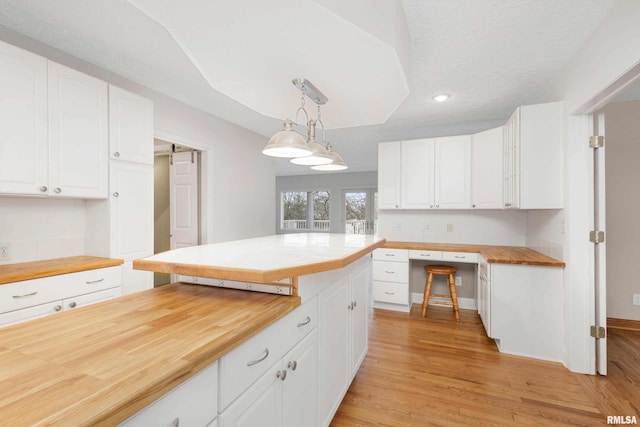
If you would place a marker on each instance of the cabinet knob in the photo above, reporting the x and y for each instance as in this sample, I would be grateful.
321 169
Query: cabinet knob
292 365
354 304
44 188
473 206
72 304
57 308
282 375
437 205
116 194
175 422
57 190
117 154
431 206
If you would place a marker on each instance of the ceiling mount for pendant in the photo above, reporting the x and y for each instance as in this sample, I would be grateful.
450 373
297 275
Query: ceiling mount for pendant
307 88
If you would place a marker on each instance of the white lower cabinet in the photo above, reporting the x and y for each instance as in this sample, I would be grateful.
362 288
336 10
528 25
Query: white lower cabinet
31 299
283 396
525 304
342 336
191 404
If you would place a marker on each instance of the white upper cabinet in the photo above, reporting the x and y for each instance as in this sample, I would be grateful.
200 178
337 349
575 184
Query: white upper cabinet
389 163
425 173
486 169
130 127
453 172
78 134
418 161
533 157
23 121
53 128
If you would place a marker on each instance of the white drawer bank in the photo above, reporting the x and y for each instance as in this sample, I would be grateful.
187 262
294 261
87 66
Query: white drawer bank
30 299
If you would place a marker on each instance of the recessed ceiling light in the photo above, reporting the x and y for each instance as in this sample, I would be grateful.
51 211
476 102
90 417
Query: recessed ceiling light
441 97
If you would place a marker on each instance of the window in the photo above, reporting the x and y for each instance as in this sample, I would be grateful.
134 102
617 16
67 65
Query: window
361 211
305 210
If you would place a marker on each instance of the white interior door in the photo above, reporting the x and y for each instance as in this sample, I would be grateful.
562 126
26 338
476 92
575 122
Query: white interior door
183 199
599 223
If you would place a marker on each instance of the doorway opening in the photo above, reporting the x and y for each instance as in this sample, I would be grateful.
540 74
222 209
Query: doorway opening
360 211
177 200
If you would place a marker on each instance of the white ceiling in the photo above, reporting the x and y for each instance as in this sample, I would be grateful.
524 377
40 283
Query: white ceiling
491 55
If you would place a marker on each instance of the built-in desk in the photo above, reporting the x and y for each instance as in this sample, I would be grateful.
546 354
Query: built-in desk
517 291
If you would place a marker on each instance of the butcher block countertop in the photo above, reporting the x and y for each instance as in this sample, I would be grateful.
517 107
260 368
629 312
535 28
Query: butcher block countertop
52 267
264 259
492 254
100 364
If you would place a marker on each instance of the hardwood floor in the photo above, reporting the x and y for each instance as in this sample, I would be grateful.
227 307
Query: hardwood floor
436 371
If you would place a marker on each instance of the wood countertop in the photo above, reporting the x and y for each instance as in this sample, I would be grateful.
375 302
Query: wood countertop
100 364
264 259
52 267
492 254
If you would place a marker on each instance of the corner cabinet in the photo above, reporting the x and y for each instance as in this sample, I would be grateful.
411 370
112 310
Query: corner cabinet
486 169
533 157
425 173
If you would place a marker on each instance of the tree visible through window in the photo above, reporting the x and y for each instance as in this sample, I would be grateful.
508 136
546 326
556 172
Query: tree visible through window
305 210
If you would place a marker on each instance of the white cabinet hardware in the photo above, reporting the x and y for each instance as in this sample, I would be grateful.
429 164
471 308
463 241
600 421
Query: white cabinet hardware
26 295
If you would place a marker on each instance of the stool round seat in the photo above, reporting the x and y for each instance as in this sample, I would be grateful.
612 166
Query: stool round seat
451 299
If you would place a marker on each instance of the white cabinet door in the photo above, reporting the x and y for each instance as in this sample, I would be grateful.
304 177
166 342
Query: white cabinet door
23 122
333 343
486 169
389 167
453 172
359 342
417 190
77 134
131 210
260 405
300 404
130 127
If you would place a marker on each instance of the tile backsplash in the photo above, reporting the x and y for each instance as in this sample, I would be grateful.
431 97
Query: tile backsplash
41 228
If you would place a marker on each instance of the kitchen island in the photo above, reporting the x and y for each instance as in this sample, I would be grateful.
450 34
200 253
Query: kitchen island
108 363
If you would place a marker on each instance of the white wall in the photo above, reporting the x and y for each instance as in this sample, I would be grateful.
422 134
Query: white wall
622 157
240 194
545 232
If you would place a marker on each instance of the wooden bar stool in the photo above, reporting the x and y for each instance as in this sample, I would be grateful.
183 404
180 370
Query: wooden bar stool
440 269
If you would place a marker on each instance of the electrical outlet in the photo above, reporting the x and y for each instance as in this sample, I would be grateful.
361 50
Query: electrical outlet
458 280
449 228
5 253
636 299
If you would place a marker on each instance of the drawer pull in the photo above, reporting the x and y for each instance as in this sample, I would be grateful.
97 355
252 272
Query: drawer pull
57 307
306 322
255 362
292 365
72 304
282 375
26 295
460 256
425 254
91 282
389 293
389 272
389 254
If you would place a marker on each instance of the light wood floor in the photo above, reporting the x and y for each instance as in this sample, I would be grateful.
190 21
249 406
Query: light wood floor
435 371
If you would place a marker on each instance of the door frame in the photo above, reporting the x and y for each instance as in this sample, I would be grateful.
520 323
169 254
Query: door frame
206 180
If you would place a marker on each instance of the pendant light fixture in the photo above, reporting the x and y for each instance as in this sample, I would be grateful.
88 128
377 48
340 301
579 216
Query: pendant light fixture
290 143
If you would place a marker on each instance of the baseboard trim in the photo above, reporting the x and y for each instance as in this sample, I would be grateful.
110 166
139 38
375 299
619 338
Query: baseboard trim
464 303
628 325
